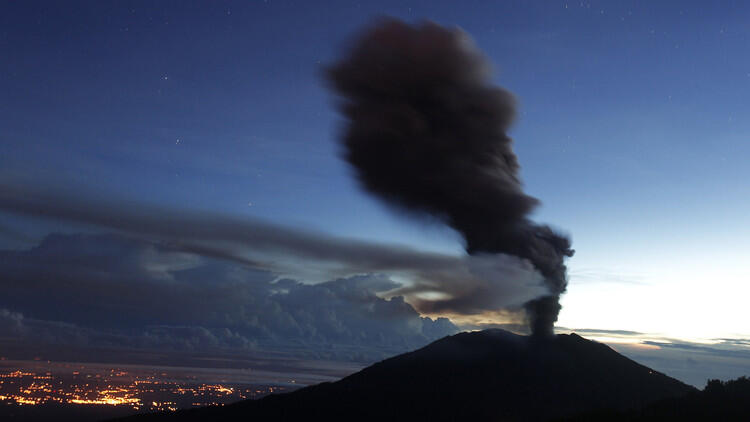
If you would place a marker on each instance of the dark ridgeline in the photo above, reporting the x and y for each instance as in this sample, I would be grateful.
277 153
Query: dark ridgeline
426 132
719 401
491 375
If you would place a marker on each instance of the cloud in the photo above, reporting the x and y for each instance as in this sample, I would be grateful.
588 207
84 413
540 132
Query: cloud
688 361
735 341
112 290
720 349
596 331
692 362
454 281
602 275
441 294
11 323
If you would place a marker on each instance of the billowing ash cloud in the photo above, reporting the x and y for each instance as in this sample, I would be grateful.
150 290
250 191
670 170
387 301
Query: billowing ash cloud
426 132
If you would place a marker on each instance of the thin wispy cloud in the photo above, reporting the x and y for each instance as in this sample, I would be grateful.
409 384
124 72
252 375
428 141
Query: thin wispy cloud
431 281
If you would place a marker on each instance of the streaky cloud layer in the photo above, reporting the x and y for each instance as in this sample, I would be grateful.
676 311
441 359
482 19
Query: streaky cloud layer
430 281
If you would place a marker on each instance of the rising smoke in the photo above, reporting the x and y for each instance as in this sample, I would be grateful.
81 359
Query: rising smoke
426 132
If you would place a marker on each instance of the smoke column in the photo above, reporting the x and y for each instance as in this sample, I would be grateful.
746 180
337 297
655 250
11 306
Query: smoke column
426 132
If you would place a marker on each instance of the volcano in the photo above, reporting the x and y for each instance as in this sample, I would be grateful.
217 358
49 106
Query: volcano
490 375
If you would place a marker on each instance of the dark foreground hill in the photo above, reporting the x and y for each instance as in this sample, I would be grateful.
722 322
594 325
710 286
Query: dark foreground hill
719 401
491 375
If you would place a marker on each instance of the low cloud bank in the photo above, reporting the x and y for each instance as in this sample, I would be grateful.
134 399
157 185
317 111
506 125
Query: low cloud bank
116 291
689 361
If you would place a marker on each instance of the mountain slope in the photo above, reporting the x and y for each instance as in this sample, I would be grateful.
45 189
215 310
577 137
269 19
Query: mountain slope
487 375
719 401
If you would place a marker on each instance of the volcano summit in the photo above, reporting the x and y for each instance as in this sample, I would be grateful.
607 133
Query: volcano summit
487 375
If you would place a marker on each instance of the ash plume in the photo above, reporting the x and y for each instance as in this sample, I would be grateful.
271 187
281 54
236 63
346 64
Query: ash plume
426 132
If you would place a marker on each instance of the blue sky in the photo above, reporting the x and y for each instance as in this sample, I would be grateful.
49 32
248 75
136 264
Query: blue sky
632 132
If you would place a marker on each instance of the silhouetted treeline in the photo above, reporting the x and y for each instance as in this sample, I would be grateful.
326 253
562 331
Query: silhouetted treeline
718 401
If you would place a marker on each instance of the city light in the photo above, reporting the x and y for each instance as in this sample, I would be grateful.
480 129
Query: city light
142 391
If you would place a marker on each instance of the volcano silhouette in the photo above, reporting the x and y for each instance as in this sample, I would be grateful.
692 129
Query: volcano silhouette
491 375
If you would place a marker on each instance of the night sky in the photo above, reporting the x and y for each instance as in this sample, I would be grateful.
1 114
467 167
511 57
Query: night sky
632 131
